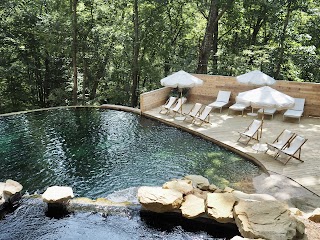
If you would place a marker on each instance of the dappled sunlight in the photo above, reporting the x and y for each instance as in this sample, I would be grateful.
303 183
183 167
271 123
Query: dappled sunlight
225 128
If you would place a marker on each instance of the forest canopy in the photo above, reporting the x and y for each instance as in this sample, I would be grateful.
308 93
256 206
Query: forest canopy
63 52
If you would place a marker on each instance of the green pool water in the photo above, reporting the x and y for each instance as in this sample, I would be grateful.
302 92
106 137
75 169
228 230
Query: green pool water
98 152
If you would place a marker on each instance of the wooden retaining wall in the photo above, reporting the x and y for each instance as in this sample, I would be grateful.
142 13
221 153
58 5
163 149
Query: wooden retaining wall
207 93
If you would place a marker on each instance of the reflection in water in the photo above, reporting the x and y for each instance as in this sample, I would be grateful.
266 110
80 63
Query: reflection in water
98 152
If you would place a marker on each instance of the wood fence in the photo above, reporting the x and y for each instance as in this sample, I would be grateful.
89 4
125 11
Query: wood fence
207 92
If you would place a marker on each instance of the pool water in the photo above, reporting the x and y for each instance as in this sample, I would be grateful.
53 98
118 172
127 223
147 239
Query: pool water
98 152
29 221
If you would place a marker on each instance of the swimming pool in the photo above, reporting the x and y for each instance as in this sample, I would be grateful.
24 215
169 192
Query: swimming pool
98 152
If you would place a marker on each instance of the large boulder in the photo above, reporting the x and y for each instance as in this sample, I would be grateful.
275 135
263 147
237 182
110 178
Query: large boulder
183 186
157 199
10 189
266 219
199 181
192 206
2 201
315 216
253 197
219 207
57 195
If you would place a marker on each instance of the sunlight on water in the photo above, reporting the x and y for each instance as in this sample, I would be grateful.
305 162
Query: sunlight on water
98 152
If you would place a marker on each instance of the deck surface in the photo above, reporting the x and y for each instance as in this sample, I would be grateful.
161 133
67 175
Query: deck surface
225 128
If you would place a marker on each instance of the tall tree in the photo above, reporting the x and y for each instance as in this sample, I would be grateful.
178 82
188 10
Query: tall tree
75 51
135 59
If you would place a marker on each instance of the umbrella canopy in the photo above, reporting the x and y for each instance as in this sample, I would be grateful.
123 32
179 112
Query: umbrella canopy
256 77
181 79
266 97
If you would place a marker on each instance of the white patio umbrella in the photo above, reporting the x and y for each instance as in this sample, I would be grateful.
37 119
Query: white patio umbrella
255 77
266 97
181 80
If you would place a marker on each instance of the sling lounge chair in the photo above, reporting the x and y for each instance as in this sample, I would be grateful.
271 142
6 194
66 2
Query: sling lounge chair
222 100
176 108
281 141
239 107
297 110
293 150
195 111
251 132
169 103
203 117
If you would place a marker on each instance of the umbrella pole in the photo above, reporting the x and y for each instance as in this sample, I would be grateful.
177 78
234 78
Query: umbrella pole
262 118
181 102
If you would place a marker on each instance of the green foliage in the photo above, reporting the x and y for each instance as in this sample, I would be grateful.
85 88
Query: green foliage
36 40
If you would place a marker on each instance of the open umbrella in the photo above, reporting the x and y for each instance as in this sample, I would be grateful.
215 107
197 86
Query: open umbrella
266 97
181 80
255 77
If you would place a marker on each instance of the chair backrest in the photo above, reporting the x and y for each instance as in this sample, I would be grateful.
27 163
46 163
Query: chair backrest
206 111
285 136
196 108
299 104
296 143
179 104
253 128
223 96
170 102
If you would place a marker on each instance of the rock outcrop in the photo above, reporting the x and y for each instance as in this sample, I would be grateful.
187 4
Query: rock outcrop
257 216
57 195
157 199
10 193
183 186
220 206
199 181
266 219
315 216
192 206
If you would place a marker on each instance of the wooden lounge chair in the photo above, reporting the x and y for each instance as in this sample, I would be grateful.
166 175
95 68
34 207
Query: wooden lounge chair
203 117
293 150
267 111
281 141
169 103
195 111
297 110
222 100
251 132
238 107
176 108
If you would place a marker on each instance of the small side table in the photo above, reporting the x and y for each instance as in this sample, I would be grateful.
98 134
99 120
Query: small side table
259 147
252 114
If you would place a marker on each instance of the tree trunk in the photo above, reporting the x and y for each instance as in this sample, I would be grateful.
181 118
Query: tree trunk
282 40
135 60
206 45
74 52
215 45
85 80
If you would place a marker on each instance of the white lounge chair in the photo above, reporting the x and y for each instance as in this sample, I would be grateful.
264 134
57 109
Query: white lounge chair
203 117
222 100
169 103
194 112
297 110
251 132
239 107
176 108
267 111
293 150
281 141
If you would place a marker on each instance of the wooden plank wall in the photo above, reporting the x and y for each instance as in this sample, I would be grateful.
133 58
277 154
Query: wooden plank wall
153 99
207 93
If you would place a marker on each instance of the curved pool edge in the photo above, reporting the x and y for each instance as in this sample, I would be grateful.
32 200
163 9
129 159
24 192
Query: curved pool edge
138 111
193 132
